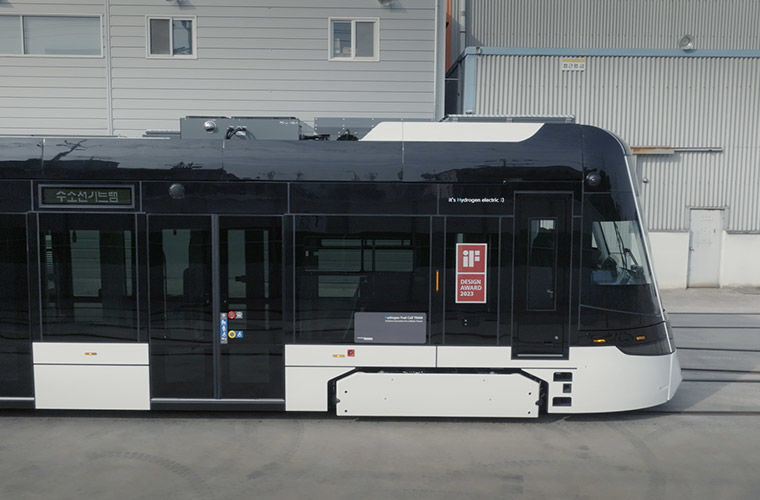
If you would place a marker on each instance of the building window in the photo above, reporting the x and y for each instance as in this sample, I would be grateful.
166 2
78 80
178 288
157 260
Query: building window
171 36
50 35
354 40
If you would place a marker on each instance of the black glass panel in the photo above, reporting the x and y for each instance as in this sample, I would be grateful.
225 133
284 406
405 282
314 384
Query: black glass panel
552 153
15 344
180 307
364 198
350 264
87 263
344 161
506 288
85 159
215 197
22 158
251 356
604 154
15 196
472 323
467 199
617 289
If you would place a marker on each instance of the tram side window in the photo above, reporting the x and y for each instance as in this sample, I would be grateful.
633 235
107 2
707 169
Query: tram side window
346 265
181 284
88 277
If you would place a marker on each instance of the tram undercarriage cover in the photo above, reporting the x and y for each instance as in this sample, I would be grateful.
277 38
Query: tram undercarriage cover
437 394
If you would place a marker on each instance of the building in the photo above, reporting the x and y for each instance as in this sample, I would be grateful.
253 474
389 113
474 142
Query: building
120 67
676 79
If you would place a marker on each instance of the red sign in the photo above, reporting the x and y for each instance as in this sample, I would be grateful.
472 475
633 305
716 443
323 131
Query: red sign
471 272
471 288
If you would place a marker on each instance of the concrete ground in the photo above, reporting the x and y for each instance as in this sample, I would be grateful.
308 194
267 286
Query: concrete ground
714 300
167 457
705 444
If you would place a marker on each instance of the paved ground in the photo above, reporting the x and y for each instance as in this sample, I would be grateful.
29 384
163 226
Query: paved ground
704 444
626 457
717 332
715 300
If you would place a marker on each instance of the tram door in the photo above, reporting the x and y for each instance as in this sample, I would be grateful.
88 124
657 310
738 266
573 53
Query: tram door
251 361
542 275
216 308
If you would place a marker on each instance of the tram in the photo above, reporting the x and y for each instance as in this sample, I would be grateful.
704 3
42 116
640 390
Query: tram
428 269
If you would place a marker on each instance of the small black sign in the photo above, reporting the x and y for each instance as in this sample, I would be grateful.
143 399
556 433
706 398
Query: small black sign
86 196
390 328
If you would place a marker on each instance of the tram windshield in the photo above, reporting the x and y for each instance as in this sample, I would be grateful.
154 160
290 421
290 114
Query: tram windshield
617 289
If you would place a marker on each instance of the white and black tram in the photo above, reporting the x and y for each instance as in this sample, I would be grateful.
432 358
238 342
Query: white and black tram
429 269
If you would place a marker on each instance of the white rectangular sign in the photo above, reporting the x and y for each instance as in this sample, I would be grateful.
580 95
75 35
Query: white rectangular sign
573 64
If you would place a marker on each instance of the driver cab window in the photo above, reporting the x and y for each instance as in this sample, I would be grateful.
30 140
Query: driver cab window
617 253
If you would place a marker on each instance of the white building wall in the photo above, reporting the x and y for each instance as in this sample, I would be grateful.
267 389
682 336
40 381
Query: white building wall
270 58
53 94
254 58
739 266
670 256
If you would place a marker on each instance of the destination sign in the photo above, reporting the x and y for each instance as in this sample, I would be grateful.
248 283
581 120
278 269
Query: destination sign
85 196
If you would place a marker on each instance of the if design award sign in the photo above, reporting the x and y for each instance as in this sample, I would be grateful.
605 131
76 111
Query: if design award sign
471 273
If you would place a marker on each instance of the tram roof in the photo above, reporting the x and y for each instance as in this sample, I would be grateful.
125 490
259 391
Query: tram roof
429 152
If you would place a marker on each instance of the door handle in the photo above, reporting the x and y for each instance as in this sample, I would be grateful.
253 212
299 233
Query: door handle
550 292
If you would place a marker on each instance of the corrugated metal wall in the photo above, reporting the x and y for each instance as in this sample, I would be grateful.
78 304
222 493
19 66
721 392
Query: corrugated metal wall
652 101
715 24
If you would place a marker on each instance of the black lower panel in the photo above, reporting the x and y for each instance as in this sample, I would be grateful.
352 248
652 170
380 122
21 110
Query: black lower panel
252 371
16 404
15 368
219 405
181 371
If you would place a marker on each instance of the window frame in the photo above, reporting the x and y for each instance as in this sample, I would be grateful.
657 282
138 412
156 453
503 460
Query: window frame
353 21
171 55
21 17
